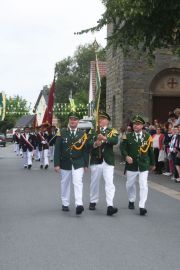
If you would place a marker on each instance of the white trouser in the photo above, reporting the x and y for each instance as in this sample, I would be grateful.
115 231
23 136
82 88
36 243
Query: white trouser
14 147
143 186
37 153
76 177
27 156
51 152
17 148
97 171
44 160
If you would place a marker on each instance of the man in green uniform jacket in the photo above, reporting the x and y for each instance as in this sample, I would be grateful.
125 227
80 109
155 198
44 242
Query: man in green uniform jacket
138 153
71 159
102 162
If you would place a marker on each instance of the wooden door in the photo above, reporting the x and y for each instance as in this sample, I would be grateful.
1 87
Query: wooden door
162 106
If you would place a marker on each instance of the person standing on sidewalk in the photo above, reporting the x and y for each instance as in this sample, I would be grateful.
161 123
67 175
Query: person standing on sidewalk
102 162
71 160
138 153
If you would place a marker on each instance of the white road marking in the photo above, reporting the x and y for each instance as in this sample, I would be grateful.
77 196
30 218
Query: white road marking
168 191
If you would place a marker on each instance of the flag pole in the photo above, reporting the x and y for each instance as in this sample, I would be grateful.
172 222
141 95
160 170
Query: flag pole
98 93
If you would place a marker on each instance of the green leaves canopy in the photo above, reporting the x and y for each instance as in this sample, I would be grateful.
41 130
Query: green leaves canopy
142 24
72 76
15 108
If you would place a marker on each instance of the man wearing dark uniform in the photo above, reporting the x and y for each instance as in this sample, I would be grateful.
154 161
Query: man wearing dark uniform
27 145
71 159
138 153
42 138
36 150
16 140
102 162
51 141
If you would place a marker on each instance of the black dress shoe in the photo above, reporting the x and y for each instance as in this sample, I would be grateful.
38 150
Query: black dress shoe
41 166
142 211
79 209
46 166
131 205
65 208
111 210
92 206
29 167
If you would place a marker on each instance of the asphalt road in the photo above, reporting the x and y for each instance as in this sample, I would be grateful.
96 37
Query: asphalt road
36 235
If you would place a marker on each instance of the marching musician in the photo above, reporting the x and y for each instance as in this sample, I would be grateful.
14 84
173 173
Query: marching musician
27 144
16 140
102 162
51 141
42 138
71 160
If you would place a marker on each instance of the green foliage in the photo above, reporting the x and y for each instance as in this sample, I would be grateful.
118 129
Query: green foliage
72 77
72 74
15 108
144 25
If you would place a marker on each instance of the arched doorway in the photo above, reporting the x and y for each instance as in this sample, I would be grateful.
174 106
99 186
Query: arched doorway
165 90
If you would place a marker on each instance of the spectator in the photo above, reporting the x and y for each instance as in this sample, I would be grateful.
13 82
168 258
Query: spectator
177 113
172 119
167 139
152 130
173 152
177 159
157 144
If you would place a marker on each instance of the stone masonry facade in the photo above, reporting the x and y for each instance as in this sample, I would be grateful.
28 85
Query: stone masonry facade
132 82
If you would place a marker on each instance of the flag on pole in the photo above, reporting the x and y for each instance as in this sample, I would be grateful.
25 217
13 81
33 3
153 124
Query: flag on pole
72 105
48 115
2 106
35 122
97 94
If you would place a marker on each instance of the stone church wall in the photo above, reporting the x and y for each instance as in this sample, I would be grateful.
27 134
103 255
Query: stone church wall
129 81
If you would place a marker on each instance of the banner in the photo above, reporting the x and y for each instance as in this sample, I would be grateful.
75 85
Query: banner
2 106
48 115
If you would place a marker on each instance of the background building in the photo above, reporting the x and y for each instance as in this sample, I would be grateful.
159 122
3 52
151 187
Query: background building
134 86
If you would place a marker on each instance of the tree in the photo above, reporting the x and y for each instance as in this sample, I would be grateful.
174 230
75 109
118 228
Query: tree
72 76
144 25
15 108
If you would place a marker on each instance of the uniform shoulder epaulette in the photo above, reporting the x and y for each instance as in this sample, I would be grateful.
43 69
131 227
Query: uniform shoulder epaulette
113 132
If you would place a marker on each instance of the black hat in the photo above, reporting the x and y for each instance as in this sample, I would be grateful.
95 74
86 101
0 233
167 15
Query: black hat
105 115
74 115
139 119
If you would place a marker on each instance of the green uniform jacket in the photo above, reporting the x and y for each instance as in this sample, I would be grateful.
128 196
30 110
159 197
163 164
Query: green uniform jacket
64 156
105 150
130 147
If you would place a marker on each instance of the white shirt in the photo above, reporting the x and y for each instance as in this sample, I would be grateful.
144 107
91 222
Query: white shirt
73 130
156 140
138 135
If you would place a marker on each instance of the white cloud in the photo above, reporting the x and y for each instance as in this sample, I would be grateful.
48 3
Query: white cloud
36 34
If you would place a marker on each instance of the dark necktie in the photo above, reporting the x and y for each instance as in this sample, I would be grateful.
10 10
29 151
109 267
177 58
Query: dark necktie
72 134
139 139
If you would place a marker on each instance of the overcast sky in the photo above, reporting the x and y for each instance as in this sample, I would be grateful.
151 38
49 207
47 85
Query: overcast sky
35 34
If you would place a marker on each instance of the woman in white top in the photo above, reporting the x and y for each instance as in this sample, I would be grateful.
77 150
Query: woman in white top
157 144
